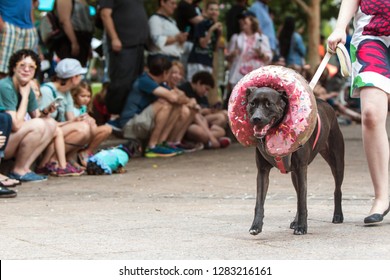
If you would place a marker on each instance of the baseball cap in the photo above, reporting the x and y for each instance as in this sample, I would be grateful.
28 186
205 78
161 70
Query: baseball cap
69 67
245 14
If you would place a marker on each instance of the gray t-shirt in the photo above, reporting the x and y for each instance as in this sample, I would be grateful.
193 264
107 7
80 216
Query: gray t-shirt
49 93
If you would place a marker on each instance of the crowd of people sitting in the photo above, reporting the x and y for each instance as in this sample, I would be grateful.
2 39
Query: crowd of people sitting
161 72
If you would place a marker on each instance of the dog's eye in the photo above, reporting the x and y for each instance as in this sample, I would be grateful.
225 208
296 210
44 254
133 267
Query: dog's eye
267 104
252 104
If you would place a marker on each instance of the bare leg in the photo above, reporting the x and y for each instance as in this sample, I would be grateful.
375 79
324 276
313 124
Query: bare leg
200 131
101 133
162 111
181 126
55 151
28 143
376 144
76 135
170 124
220 118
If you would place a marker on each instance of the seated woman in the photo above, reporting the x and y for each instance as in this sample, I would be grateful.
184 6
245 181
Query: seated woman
76 130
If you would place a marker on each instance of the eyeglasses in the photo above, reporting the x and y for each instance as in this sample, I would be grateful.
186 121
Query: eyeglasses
30 67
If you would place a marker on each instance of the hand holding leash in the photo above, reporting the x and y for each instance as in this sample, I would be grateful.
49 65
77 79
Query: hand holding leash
345 63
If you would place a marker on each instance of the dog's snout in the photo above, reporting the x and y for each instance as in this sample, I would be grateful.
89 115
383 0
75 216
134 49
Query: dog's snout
256 120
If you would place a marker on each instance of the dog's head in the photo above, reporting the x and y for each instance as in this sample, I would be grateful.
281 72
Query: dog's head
266 108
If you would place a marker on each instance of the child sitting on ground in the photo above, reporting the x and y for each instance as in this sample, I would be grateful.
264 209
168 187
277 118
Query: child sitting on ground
82 96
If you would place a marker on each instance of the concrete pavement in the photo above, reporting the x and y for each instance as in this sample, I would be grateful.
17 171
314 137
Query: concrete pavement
195 206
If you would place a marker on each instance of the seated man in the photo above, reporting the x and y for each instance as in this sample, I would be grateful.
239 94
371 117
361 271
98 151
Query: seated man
210 123
152 111
28 138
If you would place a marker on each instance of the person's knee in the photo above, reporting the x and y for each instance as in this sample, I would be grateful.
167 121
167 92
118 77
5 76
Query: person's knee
82 131
185 113
107 129
51 126
370 118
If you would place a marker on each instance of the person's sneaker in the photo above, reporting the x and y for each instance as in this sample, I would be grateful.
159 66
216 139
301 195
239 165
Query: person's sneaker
224 142
199 146
48 169
68 171
159 151
28 177
186 147
172 147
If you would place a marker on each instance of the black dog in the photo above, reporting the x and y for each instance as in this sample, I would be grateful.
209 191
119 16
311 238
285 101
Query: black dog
267 108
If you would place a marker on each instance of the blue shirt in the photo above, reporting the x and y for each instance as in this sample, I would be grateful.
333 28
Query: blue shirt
297 50
266 24
203 55
140 97
17 12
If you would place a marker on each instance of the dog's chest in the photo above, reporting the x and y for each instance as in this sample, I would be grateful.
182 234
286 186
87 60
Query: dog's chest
281 163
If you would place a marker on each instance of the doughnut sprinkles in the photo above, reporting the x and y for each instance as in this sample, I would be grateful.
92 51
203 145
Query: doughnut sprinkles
299 121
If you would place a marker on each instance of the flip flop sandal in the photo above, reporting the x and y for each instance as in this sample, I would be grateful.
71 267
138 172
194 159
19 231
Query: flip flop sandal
344 59
11 183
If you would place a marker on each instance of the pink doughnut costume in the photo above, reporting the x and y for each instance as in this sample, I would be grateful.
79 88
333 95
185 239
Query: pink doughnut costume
299 122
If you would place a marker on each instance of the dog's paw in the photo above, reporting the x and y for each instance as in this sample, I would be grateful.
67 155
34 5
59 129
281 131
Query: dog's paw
254 231
293 225
338 218
300 230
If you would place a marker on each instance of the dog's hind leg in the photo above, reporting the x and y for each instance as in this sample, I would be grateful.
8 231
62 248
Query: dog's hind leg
334 156
263 170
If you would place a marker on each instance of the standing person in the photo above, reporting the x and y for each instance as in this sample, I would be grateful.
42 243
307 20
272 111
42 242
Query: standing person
370 82
28 138
232 18
126 25
206 37
78 26
261 10
248 50
165 33
17 30
292 47
187 17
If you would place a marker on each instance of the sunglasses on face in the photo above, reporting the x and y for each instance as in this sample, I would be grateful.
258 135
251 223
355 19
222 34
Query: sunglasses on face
26 66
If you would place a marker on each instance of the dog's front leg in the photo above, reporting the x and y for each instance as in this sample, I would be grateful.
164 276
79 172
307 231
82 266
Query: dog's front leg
299 178
263 170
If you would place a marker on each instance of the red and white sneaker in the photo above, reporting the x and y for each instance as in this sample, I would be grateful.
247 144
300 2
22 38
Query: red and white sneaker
224 142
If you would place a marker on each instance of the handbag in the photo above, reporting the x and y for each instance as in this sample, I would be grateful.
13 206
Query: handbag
50 29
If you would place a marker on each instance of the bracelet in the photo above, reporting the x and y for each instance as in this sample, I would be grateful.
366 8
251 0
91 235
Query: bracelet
44 113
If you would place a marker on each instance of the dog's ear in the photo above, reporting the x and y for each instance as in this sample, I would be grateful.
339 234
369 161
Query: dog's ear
249 90
284 98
